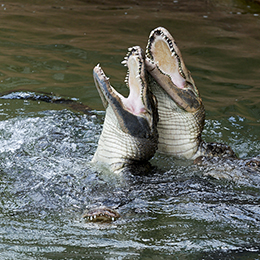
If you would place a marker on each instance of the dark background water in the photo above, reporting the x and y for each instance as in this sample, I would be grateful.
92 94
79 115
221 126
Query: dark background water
179 211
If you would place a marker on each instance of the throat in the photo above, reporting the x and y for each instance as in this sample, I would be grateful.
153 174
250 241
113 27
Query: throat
134 103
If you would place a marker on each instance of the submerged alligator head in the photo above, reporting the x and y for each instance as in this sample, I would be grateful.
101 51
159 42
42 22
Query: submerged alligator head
180 108
129 134
101 214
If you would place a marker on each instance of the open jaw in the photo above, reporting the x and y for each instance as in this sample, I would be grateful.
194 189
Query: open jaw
100 214
138 109
164 62
135 80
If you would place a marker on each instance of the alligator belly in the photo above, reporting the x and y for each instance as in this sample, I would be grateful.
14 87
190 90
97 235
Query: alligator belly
178 136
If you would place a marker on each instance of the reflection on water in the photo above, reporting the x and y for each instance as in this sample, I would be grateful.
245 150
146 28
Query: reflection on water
177 211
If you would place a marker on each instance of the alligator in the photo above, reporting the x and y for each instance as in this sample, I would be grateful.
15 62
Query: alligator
180 107
101 214
129 136
46 97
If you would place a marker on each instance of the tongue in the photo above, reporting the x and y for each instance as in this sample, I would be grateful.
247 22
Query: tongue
134 103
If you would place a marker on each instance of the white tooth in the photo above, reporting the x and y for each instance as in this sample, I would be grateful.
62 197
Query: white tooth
95 216
173 54
137 76
90 218
129 49
124 62
113 219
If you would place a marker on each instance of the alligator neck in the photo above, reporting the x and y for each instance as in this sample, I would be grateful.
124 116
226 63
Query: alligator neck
119 149
179 130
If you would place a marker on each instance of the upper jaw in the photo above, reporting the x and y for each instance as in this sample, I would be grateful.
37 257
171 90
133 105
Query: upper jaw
164 62
136 114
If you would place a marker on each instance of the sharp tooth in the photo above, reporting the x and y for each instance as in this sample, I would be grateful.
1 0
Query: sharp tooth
90 218
130 48
173 54
95 216
113 219
137 76
124 62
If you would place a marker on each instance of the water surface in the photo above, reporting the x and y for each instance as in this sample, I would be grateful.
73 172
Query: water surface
178 211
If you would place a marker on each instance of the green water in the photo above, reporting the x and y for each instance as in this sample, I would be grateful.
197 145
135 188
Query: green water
179 211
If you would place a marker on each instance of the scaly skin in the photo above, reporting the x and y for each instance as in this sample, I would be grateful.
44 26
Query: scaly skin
129 137
180 108
252 164
129 133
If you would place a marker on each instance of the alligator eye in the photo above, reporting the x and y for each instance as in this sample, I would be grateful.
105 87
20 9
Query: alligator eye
189 85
